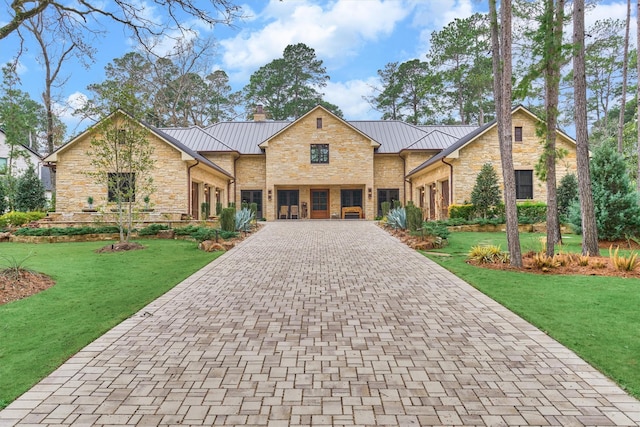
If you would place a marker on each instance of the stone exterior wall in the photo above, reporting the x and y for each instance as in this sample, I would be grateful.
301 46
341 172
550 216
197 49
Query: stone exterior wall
288 163
251 175
171 195
389 173
468 161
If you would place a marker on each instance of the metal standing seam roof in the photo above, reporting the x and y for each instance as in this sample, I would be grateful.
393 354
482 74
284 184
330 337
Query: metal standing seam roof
244 137
180 146
197 139
393 136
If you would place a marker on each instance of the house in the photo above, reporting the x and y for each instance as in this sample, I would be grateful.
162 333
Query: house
318 166
20 159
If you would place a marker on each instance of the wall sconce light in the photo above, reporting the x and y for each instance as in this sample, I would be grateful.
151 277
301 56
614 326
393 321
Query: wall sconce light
370 192
269 194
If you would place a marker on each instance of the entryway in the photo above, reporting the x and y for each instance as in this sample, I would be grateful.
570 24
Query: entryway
319 204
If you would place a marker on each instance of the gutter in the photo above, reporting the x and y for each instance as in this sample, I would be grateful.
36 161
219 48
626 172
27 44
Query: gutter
189 186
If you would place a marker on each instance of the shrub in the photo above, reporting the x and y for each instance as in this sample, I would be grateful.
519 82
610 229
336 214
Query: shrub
186 231
543 261
15 219
488 254
254 209
614 198
397 218
3 196
386 207
218 208
486 192
66 231
243 219
436 229
621 262
567 194
29 192
532 212
465 212
414 216
152 229
397 204
228 219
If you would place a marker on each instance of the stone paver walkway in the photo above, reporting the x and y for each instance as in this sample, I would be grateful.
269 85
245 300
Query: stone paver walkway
324 323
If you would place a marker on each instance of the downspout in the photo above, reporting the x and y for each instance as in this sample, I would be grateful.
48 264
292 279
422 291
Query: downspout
189 212
450 180
404 176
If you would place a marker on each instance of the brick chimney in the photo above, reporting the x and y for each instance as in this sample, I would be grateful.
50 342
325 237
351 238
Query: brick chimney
259 115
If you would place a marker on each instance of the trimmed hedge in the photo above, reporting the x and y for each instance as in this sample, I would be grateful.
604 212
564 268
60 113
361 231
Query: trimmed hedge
17 219
65 231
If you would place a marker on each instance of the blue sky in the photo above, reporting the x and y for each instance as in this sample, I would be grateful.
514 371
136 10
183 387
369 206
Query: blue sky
354 38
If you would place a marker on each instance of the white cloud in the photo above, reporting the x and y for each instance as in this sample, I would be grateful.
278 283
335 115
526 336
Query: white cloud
335 32
349 96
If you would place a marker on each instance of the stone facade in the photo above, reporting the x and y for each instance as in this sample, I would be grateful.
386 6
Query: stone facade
173 178
279 174
289 167
468 161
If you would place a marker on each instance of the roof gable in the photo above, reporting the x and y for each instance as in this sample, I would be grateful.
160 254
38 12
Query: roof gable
469 138
314 110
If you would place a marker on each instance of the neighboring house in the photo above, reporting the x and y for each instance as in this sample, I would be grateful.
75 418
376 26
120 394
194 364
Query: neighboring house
20 162
318 166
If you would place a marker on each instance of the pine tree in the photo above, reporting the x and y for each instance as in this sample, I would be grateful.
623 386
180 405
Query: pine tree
30 192
614 197
486 192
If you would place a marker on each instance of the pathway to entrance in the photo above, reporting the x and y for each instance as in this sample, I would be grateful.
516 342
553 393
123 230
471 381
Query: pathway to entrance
324 323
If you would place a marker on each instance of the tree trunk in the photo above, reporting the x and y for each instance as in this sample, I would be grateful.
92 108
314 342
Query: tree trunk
501 52
625 67
589 228
555 18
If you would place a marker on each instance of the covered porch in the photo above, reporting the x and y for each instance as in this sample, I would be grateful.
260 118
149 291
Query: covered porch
321 202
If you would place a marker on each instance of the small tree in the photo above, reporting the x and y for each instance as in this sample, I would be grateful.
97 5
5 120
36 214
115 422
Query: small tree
567 194
614 198
121 157
30 191
486 192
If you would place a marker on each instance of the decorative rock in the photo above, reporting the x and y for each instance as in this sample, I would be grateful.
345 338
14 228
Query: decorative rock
4 237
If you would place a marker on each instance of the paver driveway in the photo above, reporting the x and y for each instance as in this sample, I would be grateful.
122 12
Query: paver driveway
324 323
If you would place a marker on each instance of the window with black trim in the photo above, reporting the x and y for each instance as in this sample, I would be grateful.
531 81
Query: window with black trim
517 134
122 187
319 123
524 184
319 153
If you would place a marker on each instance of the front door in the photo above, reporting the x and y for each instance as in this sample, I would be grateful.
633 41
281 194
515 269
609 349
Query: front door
319 204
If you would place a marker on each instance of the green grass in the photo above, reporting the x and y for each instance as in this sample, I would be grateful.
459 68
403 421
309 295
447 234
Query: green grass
93 293
596 317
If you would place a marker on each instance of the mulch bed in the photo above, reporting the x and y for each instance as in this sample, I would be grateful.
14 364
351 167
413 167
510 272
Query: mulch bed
26 283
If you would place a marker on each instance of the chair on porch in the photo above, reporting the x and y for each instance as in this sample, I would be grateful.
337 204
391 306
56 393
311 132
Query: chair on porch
284 211
294 212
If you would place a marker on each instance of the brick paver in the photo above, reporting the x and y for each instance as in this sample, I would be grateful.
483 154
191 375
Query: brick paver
324 323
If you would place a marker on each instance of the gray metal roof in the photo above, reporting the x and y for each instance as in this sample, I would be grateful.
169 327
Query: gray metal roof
434 140
458 131
180 146
244 137
393 136
197 139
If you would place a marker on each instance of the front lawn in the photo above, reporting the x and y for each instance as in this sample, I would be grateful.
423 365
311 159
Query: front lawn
93 293
596 317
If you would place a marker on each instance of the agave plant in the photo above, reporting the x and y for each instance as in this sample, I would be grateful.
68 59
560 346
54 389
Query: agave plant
397 218
243 219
